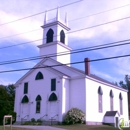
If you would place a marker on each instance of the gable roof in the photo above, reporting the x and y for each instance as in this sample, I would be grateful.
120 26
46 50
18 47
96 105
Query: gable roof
64 70
101 79
57 69
111 113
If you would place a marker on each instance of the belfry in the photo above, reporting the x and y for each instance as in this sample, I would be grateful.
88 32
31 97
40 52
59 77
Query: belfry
55 39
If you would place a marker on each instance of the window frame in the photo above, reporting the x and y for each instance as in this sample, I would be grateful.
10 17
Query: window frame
62 36
25 99
53 97
100 100
111 100
111 104
53 84
38 106
39 76
100 103
121 103
25 88
49 36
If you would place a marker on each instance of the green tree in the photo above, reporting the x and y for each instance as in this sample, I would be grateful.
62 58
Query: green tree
127 80
125 85
7 96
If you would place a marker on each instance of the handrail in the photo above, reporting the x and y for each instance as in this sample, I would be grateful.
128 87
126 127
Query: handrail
25 116
43 116
22 119
53 117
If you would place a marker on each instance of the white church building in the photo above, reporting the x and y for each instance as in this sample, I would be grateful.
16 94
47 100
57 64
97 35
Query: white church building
50 89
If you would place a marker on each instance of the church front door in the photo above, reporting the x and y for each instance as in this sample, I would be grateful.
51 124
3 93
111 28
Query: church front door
53 110
24 112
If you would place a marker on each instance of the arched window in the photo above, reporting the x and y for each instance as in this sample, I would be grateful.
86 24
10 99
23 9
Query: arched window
62 36
120 102
38 98
100 93
25 99
53 97
39 76
111 100
49 36
38 104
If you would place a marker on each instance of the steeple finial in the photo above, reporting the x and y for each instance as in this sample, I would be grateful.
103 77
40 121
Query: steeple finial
66 19
57 14
45 17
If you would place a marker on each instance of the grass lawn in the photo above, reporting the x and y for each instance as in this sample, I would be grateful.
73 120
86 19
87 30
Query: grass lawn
74 127
85 127
8 128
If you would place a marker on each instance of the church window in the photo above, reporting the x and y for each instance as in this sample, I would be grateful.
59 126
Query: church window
39 76
53 84
53 97
62 36
111 100
25 88
121 105
38 104
25 99
49 36
100 93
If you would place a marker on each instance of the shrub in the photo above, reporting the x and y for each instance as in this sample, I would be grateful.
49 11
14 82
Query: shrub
39 120
74 115
27 123
33 120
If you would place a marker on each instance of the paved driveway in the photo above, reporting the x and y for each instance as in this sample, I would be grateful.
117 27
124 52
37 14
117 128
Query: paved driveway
38 127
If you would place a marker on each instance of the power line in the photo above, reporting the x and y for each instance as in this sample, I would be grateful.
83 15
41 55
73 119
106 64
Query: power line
100 12
100 24
108 58
70 32
20 33
19 44
92 48
69 21
39 13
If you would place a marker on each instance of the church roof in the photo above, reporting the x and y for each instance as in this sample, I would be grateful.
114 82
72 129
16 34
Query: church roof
111 113
101 79
64 70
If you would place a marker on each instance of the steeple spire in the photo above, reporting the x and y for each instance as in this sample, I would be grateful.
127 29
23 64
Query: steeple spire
66 19
45 17
57 14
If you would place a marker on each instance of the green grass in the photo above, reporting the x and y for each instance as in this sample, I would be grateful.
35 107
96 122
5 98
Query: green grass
74 127
85 127
8 128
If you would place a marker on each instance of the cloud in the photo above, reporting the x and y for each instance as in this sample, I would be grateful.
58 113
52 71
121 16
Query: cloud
78 39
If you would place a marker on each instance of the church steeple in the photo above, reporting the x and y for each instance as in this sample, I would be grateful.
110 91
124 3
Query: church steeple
55 39
45 17
57 14
56 26
66 19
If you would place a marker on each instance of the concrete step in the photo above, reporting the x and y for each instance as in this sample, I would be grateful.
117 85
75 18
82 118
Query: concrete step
17 123
50 122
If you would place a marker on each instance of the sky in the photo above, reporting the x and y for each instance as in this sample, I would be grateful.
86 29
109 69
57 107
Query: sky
83 16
